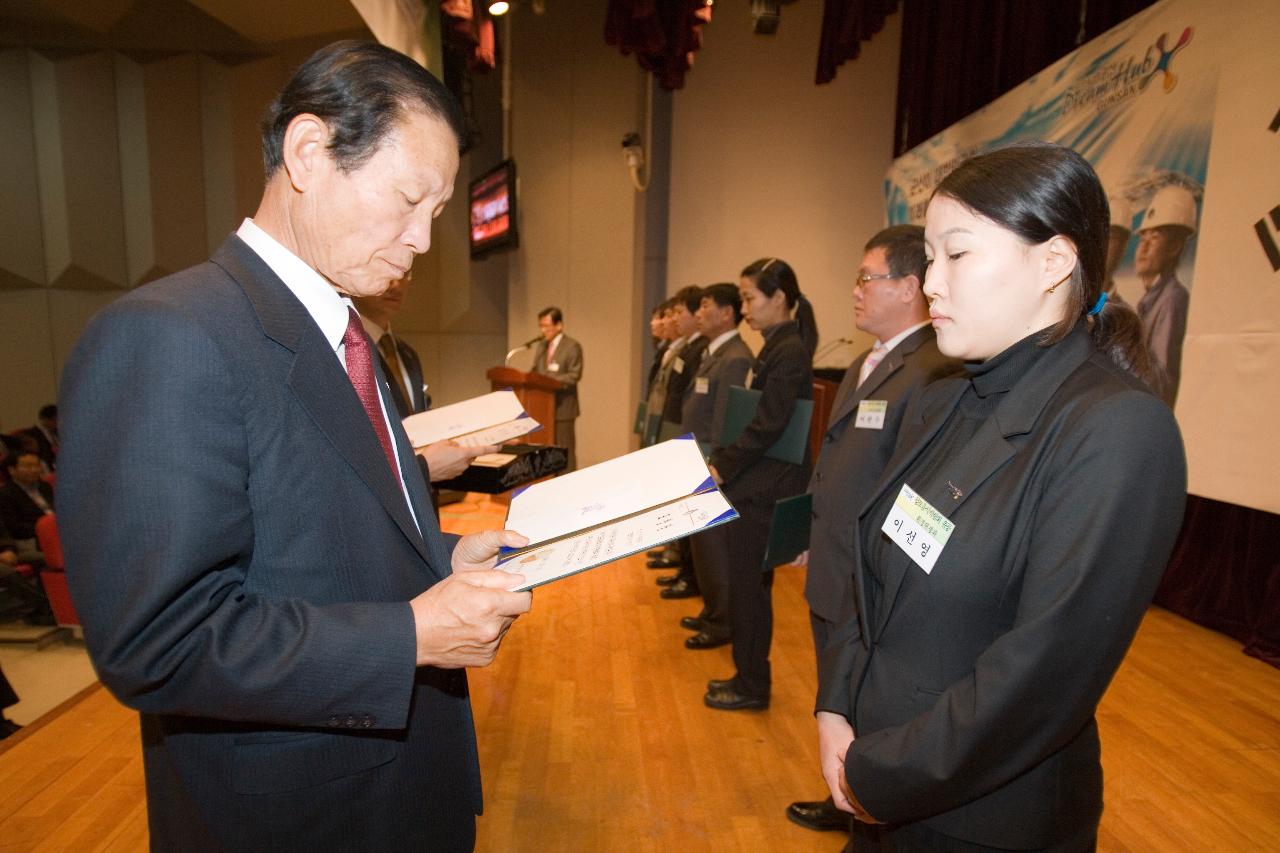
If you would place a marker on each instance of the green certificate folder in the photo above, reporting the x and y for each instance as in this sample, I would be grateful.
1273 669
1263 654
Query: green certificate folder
638 426
789 530
741 408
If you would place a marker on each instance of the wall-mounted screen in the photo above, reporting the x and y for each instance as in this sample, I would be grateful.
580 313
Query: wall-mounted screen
493 210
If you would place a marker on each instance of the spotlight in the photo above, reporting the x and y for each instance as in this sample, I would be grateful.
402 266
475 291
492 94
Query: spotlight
499 7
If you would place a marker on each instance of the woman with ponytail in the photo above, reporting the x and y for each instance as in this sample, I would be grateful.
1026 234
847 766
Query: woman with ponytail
783 374
1004 561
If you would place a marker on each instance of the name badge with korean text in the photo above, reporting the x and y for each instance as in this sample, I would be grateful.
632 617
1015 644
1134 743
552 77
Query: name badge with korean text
871 414
702 385
554 366
917 528
678 365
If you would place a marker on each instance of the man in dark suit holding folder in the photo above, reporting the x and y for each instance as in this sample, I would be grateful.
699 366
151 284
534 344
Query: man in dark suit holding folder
249 542
866 414
725 364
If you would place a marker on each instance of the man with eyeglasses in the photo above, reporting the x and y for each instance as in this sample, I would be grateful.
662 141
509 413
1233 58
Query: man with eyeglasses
888 303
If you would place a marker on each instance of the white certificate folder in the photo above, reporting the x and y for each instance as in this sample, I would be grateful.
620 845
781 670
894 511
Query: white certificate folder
487 419
613 510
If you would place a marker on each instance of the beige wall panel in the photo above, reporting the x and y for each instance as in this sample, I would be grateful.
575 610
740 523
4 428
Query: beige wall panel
21 241
88 123
254 84
175 138
575 98
218 161
135 169
765 163
454 364
69 312
26 351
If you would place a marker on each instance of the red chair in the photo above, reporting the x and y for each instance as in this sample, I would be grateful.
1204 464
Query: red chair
54 575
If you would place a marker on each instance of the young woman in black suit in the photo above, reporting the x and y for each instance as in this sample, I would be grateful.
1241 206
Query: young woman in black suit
783 374
1006 558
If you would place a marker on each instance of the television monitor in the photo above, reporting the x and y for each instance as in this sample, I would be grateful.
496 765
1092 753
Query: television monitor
493 210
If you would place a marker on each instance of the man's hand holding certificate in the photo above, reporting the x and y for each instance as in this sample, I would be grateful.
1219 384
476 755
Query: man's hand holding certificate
612 510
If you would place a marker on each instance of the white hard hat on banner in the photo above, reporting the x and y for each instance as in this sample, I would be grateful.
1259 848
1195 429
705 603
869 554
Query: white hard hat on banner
1121 212
1171 205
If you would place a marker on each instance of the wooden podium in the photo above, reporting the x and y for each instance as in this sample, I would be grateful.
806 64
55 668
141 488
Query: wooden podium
537 393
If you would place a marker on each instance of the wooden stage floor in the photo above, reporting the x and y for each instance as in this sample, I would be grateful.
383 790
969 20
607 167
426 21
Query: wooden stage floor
593 737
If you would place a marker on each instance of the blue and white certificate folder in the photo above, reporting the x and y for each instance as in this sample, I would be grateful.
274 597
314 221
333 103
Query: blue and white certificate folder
613 510
488 419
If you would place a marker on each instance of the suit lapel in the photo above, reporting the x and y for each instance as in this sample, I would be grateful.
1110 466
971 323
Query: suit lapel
318 381
984 454
915 436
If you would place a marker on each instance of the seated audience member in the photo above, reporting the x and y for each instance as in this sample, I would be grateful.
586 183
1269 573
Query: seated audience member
26 498
45 436
31 602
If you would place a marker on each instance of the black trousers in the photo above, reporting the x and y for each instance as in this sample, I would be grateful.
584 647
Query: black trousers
711 565
918 838
750 599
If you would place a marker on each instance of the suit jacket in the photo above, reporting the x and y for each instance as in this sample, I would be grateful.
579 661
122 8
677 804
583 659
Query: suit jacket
1163 310
680 382
852 459
241 556
703 411
783 373
408 356
19 512
567 363
972 689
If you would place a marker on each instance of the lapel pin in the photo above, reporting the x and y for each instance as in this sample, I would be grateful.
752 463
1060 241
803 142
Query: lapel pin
956 494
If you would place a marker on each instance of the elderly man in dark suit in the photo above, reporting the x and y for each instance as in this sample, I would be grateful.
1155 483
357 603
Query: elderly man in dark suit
726 363
866 414
249 543
560 357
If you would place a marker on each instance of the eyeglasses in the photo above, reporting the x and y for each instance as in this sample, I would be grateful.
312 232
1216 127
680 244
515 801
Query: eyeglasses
861 281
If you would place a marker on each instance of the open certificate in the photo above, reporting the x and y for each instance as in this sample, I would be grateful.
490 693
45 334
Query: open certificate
487 419
612 510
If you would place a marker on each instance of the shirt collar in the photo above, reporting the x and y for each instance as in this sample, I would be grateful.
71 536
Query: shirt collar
327 307
903 335
721 340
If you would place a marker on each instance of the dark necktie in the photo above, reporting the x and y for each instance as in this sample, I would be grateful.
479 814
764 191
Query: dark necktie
360 370
387 346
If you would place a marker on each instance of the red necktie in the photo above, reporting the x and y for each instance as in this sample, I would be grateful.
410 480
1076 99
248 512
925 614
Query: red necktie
360 370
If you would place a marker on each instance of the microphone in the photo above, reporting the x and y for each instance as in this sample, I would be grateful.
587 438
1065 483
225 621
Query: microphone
831 347
524 345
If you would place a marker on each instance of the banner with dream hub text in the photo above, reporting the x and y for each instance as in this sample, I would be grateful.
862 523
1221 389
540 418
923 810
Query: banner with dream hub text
1178 110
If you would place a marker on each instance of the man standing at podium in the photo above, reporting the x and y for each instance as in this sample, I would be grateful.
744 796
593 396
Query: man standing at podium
560 357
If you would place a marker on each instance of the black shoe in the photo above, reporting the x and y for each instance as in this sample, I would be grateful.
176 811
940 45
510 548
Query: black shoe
655 553
703 640
692 623
729 699
680 589
8 727
666 580
821 816
719 684
663 563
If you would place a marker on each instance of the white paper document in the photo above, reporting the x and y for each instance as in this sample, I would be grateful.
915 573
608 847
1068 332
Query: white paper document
612 510
487 419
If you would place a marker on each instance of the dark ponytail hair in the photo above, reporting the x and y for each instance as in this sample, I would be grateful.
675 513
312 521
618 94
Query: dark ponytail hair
773 274
1039 190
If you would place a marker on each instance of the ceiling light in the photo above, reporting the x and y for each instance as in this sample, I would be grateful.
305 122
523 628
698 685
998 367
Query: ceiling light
499 7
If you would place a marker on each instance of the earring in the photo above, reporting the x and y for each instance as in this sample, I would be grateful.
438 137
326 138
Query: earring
1059 284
